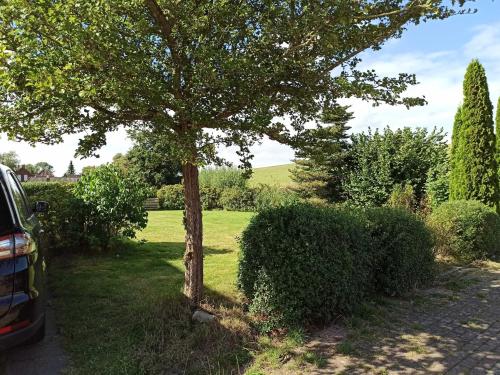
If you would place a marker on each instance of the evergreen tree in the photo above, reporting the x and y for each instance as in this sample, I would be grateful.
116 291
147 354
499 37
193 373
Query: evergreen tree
457 171
476 143
497 121
71 170
322 164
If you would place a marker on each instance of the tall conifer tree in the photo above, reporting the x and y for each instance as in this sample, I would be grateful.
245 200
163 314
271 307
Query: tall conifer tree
476 145
497 121
321 164
456 163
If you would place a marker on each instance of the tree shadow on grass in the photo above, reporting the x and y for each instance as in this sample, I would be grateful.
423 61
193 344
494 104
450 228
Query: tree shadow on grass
167 250
141 322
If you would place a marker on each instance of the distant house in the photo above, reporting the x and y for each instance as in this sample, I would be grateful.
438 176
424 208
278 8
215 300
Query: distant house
23 174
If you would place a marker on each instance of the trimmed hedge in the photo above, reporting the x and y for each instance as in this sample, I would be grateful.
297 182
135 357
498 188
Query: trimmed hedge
64 222
238 199
466 230
401 249
171 197
302 264
267 196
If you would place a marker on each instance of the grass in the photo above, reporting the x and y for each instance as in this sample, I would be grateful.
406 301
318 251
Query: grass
124 312
277 175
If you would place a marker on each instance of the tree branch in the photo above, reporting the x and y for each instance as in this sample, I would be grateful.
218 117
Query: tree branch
166 25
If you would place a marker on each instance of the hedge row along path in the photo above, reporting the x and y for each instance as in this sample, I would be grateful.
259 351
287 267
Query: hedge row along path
452 328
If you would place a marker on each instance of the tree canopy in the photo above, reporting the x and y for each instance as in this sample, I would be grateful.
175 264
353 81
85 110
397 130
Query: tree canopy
183 66
10 159
152 158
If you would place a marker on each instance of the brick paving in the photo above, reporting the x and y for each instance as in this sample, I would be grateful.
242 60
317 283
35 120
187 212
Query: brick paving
452 328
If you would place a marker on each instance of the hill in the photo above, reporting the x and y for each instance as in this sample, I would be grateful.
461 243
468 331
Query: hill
274 175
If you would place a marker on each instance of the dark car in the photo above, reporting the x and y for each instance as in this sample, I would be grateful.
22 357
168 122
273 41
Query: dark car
22 265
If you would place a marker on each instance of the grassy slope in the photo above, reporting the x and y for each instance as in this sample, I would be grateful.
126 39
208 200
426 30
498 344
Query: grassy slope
123 312
274 175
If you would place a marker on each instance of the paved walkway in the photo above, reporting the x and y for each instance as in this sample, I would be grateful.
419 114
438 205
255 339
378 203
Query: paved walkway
453 328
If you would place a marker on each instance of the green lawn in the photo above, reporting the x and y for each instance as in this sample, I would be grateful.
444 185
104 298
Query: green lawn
123 313
278 175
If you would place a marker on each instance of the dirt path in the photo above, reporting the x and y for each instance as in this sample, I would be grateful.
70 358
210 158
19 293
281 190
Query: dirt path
44 358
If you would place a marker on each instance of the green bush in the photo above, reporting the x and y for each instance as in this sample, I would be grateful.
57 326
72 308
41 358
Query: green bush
401 249
402 197
171 197
466 230
114 202
210 197
267 196
438 183
238 199
235 198
64 222
302 264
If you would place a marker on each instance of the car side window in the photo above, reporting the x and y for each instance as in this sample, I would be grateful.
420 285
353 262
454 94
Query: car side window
19 199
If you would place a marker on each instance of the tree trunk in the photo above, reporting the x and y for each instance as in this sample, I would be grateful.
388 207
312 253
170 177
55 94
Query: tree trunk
193 257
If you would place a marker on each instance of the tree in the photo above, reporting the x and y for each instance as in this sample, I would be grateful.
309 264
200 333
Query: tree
200 73
121 162
384 161
457 170
43 166
71 170
476 148
152 158
40 167
10 159
497 123
322 164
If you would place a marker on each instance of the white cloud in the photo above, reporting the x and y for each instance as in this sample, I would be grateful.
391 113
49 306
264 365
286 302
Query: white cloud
486 42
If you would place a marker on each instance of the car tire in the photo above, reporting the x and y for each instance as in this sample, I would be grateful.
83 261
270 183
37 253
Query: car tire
39 334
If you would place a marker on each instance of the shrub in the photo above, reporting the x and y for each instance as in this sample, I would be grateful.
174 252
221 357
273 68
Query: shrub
267 196
238 199
171 197
222 178
303 264
401 250
114 202
210 197
438 183
466 230
402 197
64 222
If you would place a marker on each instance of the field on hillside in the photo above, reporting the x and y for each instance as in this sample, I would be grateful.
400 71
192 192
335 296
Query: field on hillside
278 175
124 313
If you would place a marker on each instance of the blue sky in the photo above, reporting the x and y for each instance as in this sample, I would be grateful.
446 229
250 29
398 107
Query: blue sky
437 52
